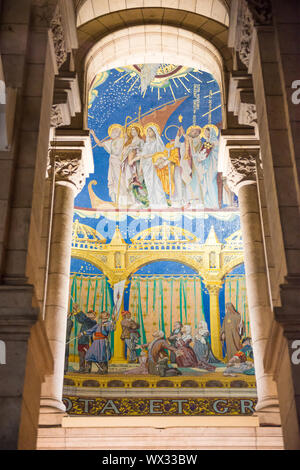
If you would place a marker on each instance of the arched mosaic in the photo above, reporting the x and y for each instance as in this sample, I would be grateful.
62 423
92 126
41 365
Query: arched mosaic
157 294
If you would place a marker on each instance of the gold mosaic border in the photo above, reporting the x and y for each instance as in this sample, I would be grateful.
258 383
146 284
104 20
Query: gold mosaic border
152 381
79 406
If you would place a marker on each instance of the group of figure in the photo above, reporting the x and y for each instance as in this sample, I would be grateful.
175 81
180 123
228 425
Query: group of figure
138 158
154 357
157 356
162 356
96 351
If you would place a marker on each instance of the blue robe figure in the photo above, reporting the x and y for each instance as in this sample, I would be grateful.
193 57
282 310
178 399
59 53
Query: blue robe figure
100 352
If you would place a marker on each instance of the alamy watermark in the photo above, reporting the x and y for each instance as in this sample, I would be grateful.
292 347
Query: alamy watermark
296 354
2 352
296 93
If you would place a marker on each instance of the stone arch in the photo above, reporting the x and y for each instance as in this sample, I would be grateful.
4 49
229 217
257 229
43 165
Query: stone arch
192 17
216 10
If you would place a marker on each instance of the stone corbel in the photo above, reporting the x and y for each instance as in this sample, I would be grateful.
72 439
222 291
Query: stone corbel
66 99
241 101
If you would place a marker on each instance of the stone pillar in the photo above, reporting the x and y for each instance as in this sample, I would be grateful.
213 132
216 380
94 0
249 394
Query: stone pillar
119 344
69 180
241 178
263 35
215 323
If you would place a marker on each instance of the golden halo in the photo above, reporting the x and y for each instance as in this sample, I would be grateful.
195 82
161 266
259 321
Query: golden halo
136 124
172 125
212 126
115 126
152 124
195 127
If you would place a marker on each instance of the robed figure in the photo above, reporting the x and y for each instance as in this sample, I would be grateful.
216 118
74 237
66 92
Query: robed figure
232 330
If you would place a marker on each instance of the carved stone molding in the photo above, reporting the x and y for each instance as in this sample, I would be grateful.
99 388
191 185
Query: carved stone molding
43 12
261 11
46 14
58 38
246 33
56 119
251 115
251 13
241 169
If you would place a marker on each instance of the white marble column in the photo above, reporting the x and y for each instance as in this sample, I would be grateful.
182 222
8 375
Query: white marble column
69 180
241 178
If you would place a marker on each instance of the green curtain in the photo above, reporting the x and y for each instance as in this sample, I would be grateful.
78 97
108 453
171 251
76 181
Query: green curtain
160 301
195 311
110 301
171 306
161 319
140 315
95 295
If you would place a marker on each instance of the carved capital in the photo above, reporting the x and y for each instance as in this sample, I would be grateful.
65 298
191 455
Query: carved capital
69 168
214 289
241 169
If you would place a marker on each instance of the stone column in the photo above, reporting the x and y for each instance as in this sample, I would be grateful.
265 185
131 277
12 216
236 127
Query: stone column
241 178
263 35
119 344
215 323
69 180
